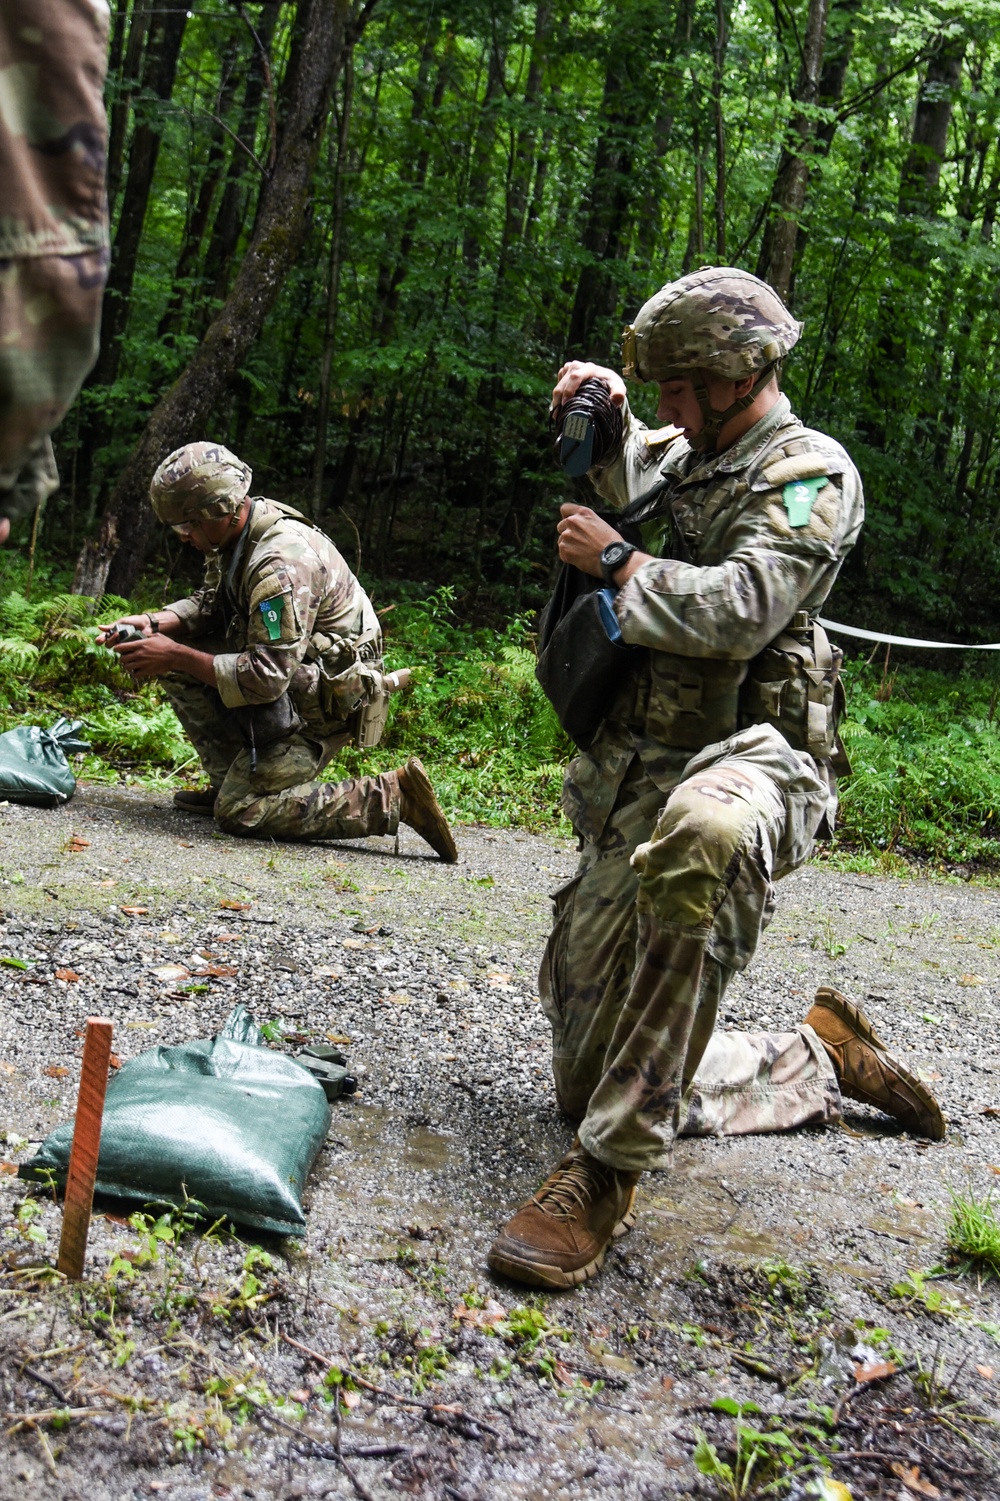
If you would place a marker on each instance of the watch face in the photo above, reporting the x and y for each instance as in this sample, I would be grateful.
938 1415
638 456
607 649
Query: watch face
614 553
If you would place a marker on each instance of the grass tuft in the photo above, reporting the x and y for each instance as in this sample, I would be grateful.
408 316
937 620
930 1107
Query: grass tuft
974 1233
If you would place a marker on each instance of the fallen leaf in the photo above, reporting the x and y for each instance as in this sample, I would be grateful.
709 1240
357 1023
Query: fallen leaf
913 1480
481 1318
667 1383
399 999
562 1373
338 1037
301 1394
326 972
986 1110
231 938
171 972
76 842
217 971
231 906
134 911
69 975
354 943
185 844
928 1075
7 1068
875 1370
55 1071
118 1219
968 980
991 1169
351 1399
105 883
986 1371
114 1061
446 1407
12 963
10 1168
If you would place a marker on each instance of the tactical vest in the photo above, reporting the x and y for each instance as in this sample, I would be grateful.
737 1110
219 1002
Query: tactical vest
794 684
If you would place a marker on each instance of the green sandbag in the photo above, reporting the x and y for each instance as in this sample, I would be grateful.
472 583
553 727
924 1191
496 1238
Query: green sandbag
33 765
222 1125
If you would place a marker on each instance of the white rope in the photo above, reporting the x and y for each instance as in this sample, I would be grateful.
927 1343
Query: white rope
853 630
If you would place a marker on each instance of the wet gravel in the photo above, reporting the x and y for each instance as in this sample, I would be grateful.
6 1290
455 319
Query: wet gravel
430 973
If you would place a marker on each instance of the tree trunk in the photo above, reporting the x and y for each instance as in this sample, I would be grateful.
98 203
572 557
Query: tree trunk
129 80
788 196
332 287
186 410
162 52
232 214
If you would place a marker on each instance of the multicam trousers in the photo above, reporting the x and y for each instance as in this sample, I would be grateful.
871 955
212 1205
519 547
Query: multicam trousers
279 797
666 905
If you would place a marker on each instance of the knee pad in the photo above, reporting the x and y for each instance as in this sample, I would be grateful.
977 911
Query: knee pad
697 848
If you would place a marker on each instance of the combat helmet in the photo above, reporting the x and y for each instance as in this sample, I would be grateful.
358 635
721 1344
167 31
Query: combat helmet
199 482
719 320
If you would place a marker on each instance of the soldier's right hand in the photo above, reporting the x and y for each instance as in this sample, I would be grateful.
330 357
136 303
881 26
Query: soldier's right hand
141 623
572 376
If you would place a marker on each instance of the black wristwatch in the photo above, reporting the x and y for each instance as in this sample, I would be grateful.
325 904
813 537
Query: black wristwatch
613 557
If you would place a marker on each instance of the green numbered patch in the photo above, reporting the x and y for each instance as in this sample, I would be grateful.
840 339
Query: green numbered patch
799 496
271 610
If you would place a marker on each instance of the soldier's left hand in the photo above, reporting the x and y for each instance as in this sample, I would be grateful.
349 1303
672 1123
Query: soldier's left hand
583 536
149 658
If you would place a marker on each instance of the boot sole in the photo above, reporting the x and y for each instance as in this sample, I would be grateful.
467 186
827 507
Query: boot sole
853 1017
536 1274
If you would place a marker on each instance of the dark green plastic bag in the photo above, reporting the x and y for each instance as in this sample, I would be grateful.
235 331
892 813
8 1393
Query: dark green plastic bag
221 1121
33 765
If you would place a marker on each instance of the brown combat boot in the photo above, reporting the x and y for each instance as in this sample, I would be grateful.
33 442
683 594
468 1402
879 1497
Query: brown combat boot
865 1068
196 800
421 810
559 1238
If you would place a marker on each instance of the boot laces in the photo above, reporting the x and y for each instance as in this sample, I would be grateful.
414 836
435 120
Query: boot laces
572 1187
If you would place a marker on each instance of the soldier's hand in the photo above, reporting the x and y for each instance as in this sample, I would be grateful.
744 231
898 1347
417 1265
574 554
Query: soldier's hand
4 530
572 376
583 536
141 623
150 658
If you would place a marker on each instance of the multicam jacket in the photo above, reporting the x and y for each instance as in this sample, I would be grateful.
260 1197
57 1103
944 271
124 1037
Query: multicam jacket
53 228
289 608
746 539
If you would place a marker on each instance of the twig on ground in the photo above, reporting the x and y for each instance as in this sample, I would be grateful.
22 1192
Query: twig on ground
57 1391
380 1391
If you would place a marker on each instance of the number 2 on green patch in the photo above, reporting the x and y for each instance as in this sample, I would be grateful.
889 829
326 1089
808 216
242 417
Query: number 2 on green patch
799 496
271 611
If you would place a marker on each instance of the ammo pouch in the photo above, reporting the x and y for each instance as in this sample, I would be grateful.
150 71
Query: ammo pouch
693 701
794 685
351 690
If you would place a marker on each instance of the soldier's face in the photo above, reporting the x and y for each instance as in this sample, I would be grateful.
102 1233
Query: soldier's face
207 535
678 406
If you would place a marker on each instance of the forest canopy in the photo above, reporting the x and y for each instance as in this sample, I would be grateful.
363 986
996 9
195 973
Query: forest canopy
356 243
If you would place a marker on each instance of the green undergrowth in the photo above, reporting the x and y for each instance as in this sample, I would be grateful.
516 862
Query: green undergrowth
924 745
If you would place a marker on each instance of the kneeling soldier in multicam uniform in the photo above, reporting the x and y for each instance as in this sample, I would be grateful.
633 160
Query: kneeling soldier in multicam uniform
285 669
708 779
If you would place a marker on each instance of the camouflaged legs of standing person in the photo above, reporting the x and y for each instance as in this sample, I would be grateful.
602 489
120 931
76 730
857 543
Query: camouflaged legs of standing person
665 907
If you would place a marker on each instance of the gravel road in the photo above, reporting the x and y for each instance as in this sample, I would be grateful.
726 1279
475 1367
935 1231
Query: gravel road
762 1269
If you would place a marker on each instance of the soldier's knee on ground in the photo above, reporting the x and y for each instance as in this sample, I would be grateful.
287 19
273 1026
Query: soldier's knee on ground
696 850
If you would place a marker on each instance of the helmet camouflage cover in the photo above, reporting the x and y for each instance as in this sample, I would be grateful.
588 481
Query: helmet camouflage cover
719 319
200 481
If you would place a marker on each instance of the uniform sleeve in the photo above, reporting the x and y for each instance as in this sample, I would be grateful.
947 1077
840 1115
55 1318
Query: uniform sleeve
634 466
282 610
197 613
772 569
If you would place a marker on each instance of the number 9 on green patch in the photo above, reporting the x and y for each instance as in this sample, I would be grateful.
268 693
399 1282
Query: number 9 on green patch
271 611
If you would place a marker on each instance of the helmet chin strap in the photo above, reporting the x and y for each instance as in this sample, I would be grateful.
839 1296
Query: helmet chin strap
706 440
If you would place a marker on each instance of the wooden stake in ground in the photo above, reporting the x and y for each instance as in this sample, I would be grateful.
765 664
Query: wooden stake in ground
86 1146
